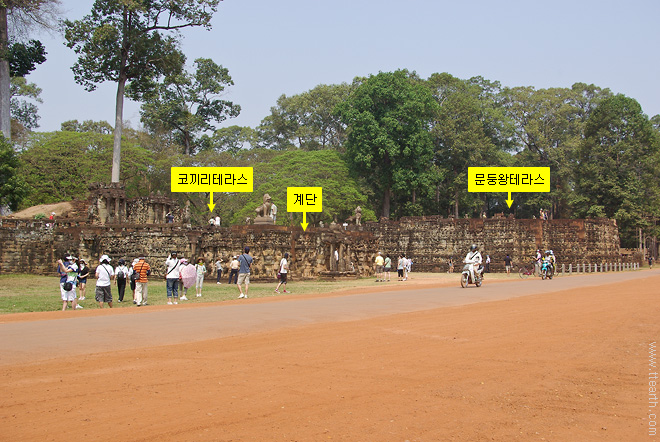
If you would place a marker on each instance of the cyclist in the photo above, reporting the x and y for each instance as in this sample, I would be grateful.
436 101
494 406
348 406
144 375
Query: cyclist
538 262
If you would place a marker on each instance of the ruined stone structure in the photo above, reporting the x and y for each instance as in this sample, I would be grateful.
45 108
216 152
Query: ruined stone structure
108 205
128 228
28 246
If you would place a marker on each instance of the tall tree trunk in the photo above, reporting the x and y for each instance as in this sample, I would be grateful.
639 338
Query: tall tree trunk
386 201
119 122
456 204
5 99
186 142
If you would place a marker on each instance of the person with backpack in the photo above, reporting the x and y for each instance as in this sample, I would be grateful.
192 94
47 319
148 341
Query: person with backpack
68 271
104 276
245 261
121 275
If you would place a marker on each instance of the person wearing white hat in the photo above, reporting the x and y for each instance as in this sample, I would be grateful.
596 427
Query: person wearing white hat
104 276
68 271
131 280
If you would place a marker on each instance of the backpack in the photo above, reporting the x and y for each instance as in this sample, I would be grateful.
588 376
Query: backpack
120 274
135 276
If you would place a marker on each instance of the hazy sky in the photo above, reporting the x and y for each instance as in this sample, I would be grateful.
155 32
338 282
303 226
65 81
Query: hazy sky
290 46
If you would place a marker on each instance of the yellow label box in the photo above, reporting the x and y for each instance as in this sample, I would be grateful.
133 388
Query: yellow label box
304 199
508 179
211 179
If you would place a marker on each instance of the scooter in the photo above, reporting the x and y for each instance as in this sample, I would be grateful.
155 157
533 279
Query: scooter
466 277
546 270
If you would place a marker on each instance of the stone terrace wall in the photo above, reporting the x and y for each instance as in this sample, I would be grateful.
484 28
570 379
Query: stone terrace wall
432 240
31 247
28 246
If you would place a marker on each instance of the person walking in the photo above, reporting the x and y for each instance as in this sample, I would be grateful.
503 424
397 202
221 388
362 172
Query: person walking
121 275
172 278
507 264
143 269
245 261
233 270
104 277
218 269
83 274
399 267
187 277
406 266
387 267
487 269
131 280
284 271
379 267
201 271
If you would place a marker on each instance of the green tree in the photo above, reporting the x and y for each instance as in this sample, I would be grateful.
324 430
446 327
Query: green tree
20 58
469 130
24 57
190 104
297 168
548 127
24 111
388 117
618 167
99 127
306 120
59 166
123 42
12 185
233 139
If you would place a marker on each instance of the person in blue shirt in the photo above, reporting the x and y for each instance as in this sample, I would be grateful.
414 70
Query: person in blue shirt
245 261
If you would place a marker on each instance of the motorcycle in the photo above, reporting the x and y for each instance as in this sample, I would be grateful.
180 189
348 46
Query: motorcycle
546 270
466 277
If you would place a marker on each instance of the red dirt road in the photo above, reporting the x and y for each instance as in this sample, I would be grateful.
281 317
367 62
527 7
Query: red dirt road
567 365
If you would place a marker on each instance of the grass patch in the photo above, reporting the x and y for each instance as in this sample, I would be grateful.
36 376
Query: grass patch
29 293
21 293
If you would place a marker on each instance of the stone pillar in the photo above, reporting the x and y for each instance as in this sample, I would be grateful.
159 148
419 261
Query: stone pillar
333 261
342 261
117 213
102 208
570 269
108 208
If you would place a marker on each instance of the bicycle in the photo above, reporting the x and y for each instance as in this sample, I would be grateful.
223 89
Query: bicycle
526 271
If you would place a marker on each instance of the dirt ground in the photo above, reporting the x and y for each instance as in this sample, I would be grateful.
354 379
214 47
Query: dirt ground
60 209
569 365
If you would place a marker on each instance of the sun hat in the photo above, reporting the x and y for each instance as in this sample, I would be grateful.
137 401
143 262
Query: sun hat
105 258
68 257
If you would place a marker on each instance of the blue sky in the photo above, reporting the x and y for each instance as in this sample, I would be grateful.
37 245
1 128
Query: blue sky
290 46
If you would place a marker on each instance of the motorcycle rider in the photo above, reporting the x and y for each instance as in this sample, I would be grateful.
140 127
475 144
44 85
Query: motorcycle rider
547 262
474 258
553 260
